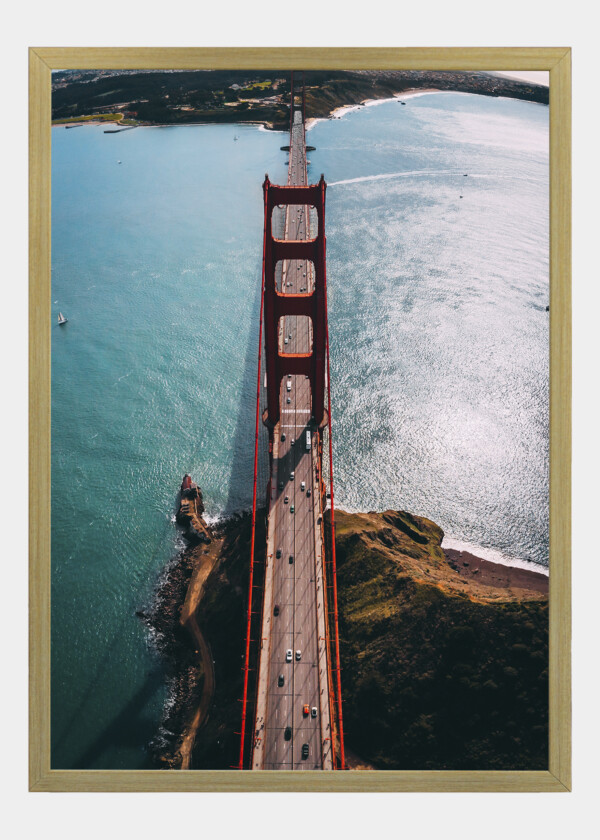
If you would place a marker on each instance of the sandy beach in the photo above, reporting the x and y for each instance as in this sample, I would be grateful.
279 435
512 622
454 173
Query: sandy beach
496 574
337 113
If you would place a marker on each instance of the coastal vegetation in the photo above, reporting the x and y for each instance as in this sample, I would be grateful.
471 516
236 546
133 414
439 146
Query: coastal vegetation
232 96
220 616
439 670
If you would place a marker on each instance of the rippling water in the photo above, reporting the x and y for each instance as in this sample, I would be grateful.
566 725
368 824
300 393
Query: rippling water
438 286
439 343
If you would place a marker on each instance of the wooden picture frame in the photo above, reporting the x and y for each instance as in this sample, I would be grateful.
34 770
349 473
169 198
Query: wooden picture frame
555 60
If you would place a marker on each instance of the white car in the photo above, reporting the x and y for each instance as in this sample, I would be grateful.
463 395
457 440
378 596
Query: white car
288 656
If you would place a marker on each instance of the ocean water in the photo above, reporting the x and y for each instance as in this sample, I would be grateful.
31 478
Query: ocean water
438 287
439 357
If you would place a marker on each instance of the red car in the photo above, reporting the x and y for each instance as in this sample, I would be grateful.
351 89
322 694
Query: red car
306 710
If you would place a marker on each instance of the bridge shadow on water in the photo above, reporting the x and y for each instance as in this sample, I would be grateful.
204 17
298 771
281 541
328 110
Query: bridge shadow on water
239 492
132 727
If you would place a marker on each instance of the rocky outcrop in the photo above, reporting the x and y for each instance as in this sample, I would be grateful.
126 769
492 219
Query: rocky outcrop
190 510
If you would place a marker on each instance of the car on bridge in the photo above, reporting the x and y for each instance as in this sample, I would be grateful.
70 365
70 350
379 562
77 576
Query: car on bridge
280 680
292 509
306 710
313 712
285 501
288 656
276 610
298 655
291 558
278 553
288 733
305 750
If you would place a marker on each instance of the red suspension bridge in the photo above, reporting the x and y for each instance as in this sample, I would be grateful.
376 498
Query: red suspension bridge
291 703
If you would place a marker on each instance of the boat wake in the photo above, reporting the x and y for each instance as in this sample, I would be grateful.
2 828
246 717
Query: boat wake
389 175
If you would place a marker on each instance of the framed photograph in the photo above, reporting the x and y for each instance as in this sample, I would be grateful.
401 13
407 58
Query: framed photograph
300 372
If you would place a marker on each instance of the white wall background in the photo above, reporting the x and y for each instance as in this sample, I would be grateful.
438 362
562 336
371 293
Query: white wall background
328 23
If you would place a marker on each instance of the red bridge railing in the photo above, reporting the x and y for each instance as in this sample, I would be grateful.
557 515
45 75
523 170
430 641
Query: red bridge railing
253 537
315 304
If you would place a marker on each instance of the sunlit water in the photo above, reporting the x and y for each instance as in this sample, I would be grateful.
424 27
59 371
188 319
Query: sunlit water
439 357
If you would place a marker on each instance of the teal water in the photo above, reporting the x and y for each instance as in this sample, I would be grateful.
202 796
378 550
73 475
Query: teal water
439 346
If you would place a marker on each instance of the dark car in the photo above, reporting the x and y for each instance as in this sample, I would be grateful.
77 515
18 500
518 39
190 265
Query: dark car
304 750
308 493
278 553
283 437
276 610
291 558
288 733
280 680
281 485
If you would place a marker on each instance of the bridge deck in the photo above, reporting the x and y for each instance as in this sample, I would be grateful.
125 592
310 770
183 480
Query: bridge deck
295 587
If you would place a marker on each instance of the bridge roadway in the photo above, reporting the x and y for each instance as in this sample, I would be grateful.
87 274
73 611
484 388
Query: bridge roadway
294 581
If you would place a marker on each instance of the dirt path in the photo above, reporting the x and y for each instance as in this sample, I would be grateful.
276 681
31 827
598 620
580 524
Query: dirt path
206 564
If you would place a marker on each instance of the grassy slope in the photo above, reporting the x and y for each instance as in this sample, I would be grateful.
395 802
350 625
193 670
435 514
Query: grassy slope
437 674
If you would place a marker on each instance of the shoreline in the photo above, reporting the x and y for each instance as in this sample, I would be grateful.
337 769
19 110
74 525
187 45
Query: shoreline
265 125
339 112
494 556
491 555
501 576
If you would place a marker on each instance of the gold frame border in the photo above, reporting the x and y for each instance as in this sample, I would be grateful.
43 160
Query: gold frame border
558 62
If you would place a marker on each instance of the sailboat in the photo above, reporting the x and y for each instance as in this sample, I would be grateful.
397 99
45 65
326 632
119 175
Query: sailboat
61 319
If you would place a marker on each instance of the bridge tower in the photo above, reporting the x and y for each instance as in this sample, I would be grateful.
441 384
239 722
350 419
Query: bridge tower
279 304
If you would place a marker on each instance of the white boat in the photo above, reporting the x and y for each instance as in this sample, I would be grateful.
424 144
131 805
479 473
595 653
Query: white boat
62 319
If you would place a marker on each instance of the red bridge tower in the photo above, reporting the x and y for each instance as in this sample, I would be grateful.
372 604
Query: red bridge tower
279 304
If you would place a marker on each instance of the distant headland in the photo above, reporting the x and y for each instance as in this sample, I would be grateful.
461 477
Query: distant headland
186 97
